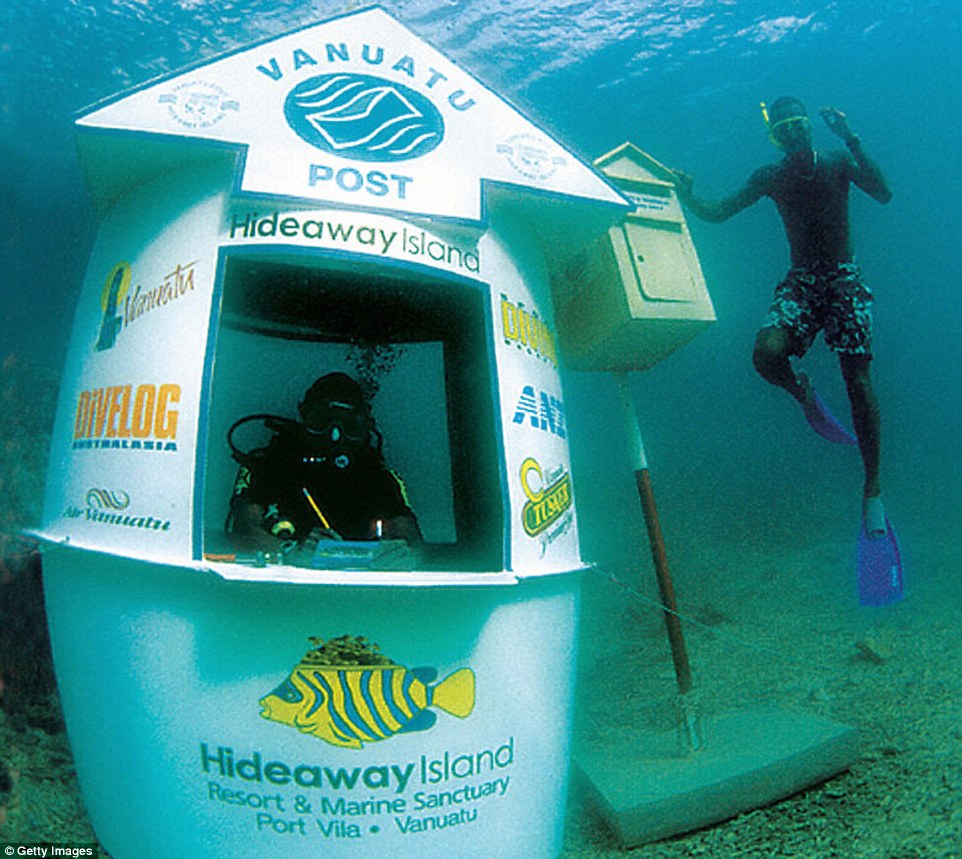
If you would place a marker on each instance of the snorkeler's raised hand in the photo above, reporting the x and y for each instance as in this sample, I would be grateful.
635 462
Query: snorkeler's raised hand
837 122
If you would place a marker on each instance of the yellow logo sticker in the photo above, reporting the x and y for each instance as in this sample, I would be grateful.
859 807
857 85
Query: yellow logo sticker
547 502
350 705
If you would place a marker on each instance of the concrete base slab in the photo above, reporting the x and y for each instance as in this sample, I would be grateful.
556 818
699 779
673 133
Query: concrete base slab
747 760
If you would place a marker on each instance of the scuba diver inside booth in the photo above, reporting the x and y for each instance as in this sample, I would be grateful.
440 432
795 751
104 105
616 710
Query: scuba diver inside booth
322 479
352 420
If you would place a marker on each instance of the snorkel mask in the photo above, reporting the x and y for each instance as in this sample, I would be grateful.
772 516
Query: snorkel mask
772 128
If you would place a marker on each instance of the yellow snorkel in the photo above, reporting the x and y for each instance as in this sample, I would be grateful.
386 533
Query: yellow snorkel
768 125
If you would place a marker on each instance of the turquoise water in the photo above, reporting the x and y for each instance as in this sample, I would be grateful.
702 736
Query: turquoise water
683 81
731 457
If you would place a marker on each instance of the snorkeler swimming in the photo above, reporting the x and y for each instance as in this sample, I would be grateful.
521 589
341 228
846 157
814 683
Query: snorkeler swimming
823 290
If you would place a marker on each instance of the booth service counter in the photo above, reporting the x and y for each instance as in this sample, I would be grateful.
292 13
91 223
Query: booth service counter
342 198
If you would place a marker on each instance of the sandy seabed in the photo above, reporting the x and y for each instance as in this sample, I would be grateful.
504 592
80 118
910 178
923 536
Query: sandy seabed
781 627
770 618
775 625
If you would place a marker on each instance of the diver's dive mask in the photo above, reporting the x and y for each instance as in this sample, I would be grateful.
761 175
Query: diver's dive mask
336 433
338 421
779 127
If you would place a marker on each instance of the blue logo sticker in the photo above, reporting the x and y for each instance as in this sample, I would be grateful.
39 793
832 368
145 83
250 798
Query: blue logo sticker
363 117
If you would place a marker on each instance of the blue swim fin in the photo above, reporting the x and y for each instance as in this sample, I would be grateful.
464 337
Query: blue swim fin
825 423
880 579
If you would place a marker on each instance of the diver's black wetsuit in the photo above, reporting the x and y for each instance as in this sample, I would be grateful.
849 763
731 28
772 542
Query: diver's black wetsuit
351 499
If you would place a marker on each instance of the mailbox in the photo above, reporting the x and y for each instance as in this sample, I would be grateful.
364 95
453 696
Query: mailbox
640 293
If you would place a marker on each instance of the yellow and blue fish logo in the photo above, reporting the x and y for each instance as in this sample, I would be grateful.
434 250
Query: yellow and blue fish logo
349 705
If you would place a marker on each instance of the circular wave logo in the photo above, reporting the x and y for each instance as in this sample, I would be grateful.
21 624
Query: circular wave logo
363 117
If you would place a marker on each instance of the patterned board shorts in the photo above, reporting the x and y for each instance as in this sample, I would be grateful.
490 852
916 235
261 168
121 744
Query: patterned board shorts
832 299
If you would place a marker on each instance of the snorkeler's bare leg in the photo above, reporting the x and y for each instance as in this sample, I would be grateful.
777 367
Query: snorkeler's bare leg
865 417
772 360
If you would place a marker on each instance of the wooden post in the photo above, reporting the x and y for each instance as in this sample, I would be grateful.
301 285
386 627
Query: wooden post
676 639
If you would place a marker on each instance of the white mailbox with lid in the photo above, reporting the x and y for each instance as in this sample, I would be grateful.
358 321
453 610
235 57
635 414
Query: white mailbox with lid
342 198
640 293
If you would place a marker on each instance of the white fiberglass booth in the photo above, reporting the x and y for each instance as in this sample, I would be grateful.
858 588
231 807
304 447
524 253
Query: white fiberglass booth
342 198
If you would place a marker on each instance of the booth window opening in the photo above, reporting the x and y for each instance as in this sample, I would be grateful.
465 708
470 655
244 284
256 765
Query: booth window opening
324 375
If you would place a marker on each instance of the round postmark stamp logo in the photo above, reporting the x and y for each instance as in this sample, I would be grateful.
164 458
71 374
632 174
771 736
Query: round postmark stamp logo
198 104
531 156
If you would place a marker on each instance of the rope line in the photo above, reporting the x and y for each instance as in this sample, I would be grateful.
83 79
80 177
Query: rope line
735 639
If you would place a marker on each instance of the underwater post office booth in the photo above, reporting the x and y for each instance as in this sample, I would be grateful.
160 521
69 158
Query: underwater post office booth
342 198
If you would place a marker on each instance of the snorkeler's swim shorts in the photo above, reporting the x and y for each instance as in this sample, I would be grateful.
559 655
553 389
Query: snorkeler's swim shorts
831 298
